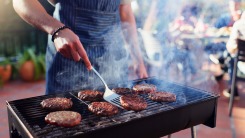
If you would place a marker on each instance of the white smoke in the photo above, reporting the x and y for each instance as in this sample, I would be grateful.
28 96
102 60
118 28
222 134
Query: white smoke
182 59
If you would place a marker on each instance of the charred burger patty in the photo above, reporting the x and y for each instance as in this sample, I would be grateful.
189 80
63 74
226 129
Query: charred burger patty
162 96
57 103
133 102
122 91
103 108
90 95
63 118
144 88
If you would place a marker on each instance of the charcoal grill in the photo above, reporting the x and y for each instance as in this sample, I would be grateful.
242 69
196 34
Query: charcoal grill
192 107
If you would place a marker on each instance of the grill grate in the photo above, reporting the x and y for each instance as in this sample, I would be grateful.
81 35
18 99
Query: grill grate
32 115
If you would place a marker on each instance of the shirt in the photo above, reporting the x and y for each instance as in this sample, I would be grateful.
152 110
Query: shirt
224 21
238 31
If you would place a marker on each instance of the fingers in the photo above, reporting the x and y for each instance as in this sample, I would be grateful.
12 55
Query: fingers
69 51
70 47
145 75
81 51
65 53
142 73
74 54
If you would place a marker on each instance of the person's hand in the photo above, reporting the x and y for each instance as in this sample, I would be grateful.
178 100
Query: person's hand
138 68
142 73
232 49
69 45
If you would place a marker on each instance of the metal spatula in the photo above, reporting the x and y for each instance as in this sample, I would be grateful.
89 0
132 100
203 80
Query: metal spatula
109 95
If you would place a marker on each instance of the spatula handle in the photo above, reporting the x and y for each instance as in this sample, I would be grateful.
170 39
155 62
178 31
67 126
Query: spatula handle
97 73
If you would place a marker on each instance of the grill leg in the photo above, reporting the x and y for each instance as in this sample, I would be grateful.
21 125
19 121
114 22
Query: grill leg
233 85
193 132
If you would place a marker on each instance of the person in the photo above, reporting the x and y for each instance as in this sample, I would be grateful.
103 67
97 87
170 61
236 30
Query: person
217 51
238 32
228 19
186 21
85 34
183 25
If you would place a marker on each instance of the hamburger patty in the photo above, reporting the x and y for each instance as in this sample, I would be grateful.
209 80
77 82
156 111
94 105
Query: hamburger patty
133 102
90 95
144 88
103 108
162 97
63 118
122 91
57 103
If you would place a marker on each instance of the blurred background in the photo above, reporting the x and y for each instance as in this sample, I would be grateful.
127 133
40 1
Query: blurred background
20 42
162 30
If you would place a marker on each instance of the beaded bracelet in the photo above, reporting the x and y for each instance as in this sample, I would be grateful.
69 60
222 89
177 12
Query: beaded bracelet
59 29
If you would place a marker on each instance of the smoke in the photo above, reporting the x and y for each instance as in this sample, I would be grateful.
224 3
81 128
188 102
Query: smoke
109 57
167 55
181 57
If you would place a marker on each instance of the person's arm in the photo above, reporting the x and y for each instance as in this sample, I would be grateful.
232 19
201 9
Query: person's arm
231 45
128 23
66 41
151 18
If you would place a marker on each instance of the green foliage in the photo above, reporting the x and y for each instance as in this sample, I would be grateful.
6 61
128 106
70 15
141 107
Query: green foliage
39 62
5 62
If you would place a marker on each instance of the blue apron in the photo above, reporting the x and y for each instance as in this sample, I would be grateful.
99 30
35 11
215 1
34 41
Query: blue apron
97 23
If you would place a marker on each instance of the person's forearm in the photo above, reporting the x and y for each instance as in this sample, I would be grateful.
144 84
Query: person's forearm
34 13
231 44
151 18
128 21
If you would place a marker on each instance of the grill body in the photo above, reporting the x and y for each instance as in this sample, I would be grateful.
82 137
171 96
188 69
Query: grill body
192 107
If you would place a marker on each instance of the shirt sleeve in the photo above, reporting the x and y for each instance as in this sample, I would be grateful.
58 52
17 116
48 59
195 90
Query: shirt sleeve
232 42
126 1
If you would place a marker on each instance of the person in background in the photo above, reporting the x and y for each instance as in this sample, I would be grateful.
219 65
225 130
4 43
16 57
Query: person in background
82 34
186 21
228 19
238 32
182 25
217 51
